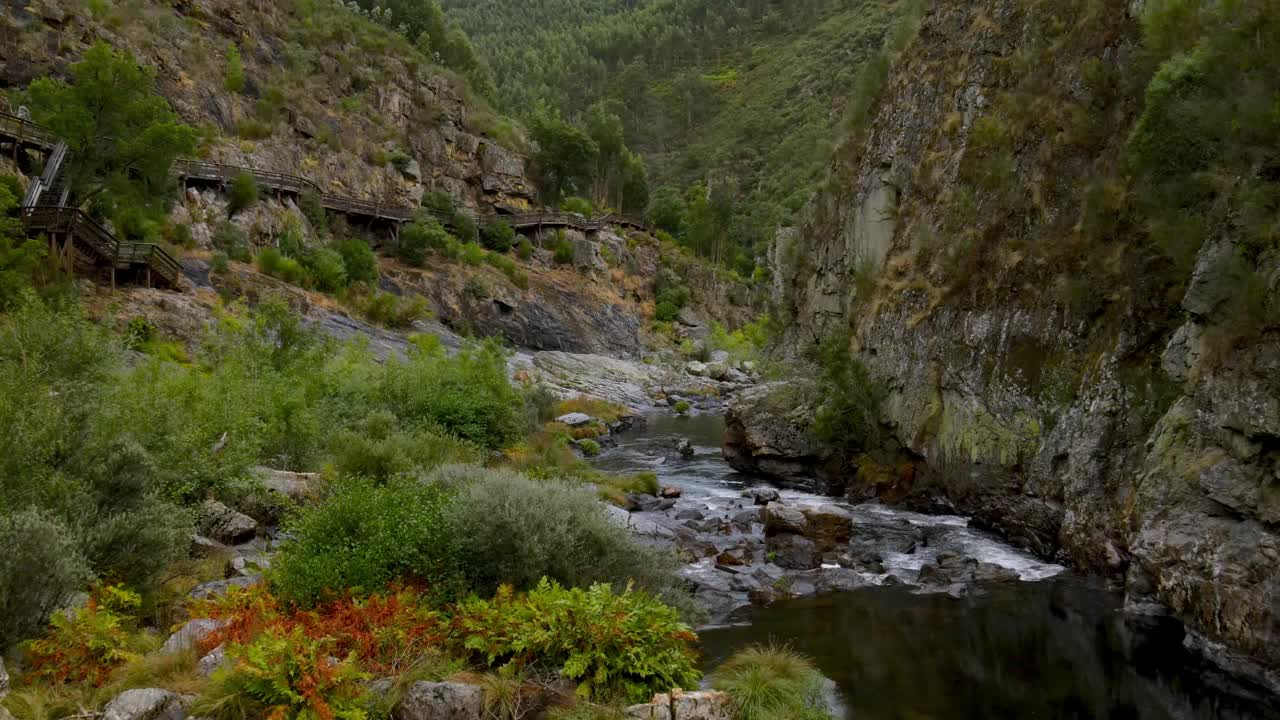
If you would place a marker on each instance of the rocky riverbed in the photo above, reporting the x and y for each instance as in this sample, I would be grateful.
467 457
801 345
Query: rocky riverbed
910 614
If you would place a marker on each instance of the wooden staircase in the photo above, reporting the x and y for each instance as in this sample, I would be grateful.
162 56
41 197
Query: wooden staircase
86 245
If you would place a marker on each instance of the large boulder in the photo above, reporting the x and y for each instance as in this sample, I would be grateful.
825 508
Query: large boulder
794 552
146 704
191 635
4 680
221 523
769 431
440 701
828 526
298 487
780 519
681 705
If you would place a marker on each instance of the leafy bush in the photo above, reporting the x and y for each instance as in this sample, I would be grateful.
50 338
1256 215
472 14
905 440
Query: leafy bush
617 646
220 263
498 236
86 645
467 394
464 227
272 262
849 418
327 269
562 249
682 407
313 210
590 448
363 539
513 530
233 77
524 249
288 676
438 201
772 683
580 206
231 240
243 193
421 236
665 311
39 571
472 254
358 259
391 310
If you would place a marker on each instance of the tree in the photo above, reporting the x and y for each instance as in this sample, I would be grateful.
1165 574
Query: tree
565 157
667 210
635 184
18 258
605 129
121 135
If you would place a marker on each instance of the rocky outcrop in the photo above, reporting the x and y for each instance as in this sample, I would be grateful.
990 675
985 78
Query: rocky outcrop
373 124
1081 417
769 432
227 526
440 701
190 635
146 704
681 705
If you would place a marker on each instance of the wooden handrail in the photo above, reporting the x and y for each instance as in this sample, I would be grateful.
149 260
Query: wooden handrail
120 255
24 130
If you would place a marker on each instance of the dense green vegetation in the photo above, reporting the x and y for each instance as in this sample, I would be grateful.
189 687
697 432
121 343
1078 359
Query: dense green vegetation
744 98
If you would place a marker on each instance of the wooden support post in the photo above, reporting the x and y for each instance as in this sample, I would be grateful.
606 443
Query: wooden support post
113 277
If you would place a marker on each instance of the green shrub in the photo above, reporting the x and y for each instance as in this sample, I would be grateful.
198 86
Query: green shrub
233 241
472 254
327 269
272 262
391 310
590 448
666 311
419 237
40 570
243 193
772 683
438 201
682 407
467 394
562 249
622 647
464 227
359 260
83 647
313 210
220 263
578 205
286 675
498 236
363 538
233 77
514 530
849 418
524 249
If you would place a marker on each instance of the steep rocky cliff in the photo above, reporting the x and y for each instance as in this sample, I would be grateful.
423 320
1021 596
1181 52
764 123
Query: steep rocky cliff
325 94
1048 370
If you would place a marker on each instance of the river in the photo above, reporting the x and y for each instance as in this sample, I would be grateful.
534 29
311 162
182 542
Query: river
1049 645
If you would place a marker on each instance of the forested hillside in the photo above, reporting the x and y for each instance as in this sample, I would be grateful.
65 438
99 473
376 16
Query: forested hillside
741 99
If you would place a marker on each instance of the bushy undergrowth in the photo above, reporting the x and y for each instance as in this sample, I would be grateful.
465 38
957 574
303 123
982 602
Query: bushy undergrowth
364 538
772 683
513 530
848 420
617 646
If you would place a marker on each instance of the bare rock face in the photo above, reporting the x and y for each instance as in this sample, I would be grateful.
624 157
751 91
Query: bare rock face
1107 431
441 701
190 635
769 433
678 704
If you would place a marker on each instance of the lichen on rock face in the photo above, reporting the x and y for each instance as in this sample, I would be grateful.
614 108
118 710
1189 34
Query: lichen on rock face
1070 396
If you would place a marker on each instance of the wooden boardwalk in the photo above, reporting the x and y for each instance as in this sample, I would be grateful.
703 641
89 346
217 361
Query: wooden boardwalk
83 243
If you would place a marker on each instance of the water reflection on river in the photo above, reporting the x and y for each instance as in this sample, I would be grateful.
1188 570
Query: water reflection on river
1054 648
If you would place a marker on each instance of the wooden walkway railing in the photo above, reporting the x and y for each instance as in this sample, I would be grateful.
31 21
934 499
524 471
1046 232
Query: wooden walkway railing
79 231
96 243
25 132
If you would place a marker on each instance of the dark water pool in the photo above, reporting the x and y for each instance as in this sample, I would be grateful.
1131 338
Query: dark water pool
1057 647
